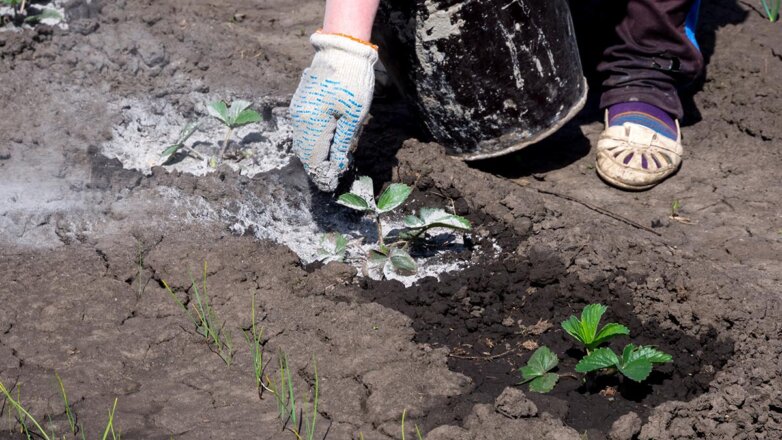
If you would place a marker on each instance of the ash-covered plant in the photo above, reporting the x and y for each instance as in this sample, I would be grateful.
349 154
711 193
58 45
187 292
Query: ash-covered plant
392 253
237 115
187 131
22 8
333 247
635 362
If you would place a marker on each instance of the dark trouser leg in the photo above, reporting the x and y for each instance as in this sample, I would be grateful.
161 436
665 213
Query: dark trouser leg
653 56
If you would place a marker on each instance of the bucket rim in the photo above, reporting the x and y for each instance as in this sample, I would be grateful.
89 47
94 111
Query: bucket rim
574 110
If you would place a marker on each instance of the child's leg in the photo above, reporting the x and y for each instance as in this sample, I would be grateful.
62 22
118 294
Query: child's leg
654 55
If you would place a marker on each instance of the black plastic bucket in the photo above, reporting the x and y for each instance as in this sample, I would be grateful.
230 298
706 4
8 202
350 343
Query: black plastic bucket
488 76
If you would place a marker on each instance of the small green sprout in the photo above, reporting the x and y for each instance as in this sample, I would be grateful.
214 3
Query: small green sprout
237 115
68 412
285 396
205 320
537 372
23 415
255 341
772 9
418 434
585 330
333 247
636 362
394 256
184 135
675 207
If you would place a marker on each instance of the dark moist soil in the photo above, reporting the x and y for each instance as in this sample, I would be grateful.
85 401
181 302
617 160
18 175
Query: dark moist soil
485 313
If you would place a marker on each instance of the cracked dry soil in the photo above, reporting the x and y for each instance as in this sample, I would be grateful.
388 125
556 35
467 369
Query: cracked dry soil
86 245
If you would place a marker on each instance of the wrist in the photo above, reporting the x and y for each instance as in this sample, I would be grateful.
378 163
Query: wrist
347 36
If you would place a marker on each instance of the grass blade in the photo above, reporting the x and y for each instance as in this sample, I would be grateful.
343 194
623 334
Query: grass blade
68 412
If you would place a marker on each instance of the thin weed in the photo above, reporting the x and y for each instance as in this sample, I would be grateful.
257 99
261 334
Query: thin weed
282 388
254 340
32 429
68 411
205 319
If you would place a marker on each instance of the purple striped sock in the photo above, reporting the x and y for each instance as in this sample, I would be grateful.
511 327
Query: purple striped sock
643 114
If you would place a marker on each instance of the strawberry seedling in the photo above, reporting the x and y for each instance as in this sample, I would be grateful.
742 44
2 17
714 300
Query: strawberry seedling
392 255
585 330
239 114
636 362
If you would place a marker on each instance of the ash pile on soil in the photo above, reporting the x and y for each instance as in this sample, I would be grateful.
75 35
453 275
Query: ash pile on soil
279 204
148 127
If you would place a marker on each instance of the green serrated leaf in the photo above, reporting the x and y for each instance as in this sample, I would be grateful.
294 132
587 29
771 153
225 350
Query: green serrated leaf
353 201
650 354
627 353
247 117
544 384
237 107
363 187
572 326
402 262
394 196
170 150
597 360
543 360
637 370
590 320
436 217
219 110
609 331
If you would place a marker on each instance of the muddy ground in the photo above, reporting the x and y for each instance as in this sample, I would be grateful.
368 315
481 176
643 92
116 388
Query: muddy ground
87 243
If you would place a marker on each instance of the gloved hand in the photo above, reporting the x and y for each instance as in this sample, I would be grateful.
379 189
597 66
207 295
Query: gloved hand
331 105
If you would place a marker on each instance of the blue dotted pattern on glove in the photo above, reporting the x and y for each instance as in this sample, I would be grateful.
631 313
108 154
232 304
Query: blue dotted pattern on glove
319 104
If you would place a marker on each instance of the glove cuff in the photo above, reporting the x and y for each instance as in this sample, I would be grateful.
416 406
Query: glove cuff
345 44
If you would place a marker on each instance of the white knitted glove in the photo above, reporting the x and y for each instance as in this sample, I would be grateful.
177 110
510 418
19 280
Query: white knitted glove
331 105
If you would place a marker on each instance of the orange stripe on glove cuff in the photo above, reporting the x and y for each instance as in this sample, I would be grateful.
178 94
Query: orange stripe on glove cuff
349 37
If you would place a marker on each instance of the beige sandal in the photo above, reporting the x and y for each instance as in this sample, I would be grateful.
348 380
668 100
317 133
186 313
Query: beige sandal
634 157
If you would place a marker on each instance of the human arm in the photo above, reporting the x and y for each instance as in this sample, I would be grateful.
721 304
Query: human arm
332 101
350 17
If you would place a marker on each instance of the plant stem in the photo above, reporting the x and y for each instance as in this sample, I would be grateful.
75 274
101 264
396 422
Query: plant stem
380 231
21 6
225 142
194 153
